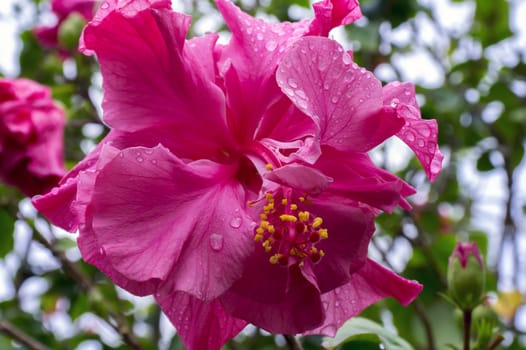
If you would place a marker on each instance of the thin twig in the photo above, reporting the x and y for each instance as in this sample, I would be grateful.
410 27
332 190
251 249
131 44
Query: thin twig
292 342
17 334
72 270
496 341
416 304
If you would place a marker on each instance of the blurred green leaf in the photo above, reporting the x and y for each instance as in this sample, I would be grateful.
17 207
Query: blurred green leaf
7 227
360 329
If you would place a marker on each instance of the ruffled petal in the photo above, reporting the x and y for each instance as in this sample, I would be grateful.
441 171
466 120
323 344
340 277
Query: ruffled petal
356 177
154 80
368 285
201 325
421 135
343 99
333 13
275 298
350 228
249 60
299 177
57 205
155 218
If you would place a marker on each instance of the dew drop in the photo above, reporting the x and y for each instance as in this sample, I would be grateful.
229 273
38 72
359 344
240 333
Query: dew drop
346 58
326 86
301 94
334 99
329 330
216 241
121 154
410 137
249 30
140 159
148 151
395 102
154 161
292 83
236 222
259 36
420 143
104 5
425 131
271 45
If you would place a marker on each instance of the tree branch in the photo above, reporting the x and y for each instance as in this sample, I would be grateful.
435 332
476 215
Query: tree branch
17 334
292 342
72 270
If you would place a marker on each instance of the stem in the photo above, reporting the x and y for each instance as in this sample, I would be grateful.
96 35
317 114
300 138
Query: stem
292 342
467 329
416 304
496 341
21 337
72 270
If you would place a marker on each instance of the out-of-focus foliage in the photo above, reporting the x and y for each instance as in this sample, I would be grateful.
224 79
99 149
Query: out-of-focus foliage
469 67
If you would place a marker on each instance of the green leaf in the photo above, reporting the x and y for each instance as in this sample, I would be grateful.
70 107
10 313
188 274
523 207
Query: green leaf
7 226
357 327
484 162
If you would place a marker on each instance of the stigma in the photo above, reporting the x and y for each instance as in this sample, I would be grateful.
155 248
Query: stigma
289 235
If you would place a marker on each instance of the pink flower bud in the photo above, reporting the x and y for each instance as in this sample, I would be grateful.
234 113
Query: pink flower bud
466 276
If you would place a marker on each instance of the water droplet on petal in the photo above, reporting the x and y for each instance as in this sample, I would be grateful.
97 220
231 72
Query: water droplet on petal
301 94
216 241
104 5
140 159
271 45
329 330
259 36
326 85
420 143
346 58
236 222
154 161
410 137
292 82
334 99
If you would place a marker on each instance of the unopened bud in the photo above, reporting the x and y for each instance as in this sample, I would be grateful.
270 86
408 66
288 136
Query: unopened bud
466 276
70 30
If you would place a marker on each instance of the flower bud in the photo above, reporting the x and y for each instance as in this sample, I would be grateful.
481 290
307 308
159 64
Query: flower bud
70 30
466 276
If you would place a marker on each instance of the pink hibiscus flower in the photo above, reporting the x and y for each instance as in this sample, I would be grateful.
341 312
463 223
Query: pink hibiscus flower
48 35
31 127
235 184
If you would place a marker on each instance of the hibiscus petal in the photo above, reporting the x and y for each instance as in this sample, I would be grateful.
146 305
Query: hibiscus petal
356 177
57 205
153 80
421 135
297 309
299 177
156 217
333 13
201 325
343 99
350 228
367 286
